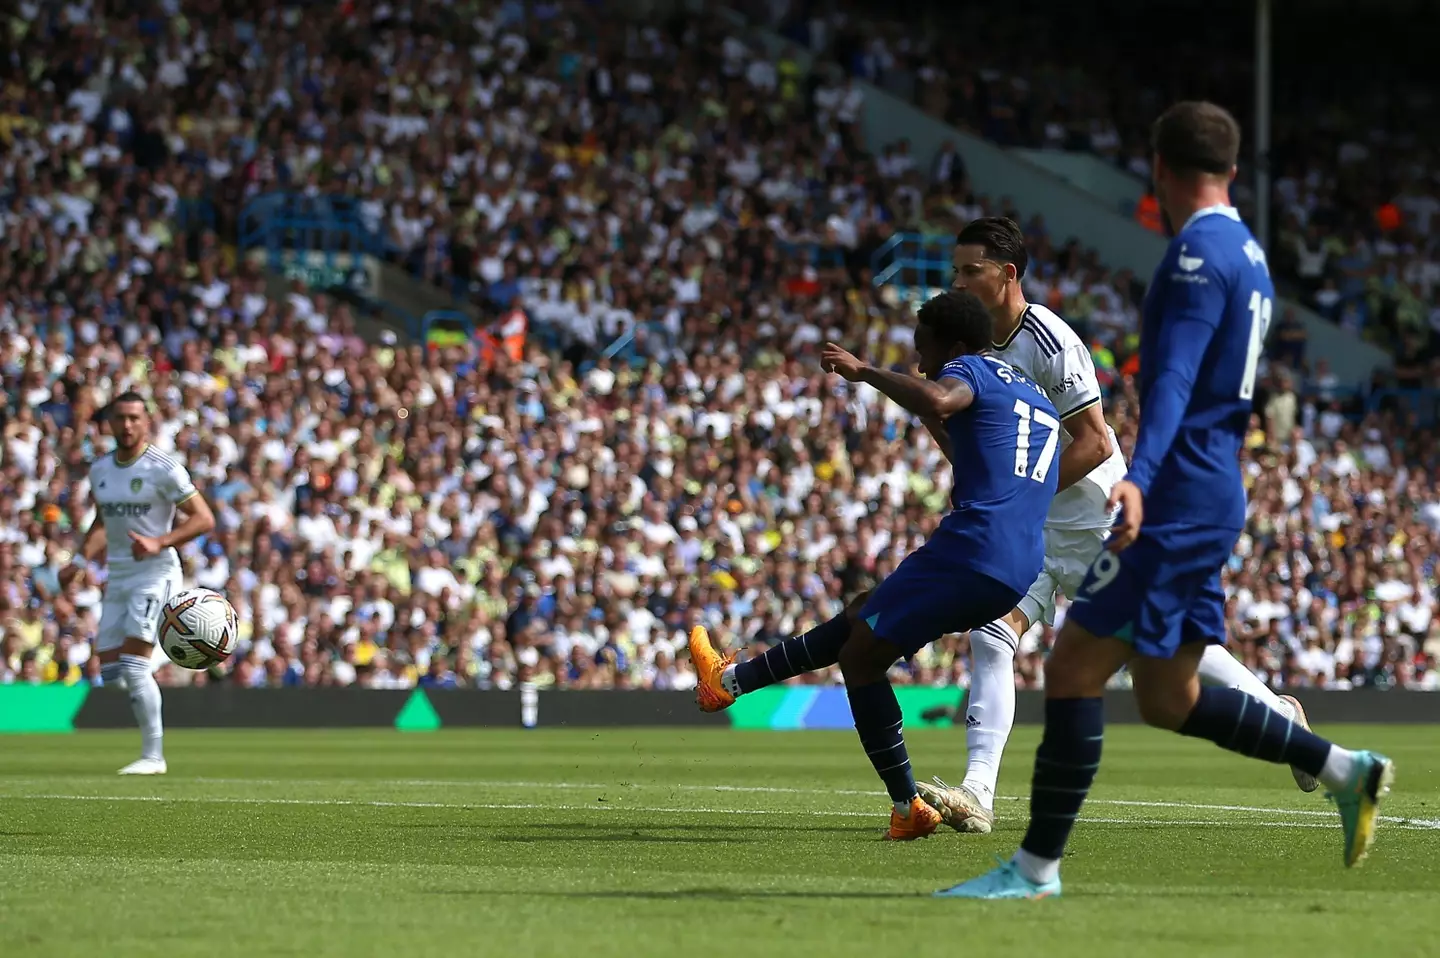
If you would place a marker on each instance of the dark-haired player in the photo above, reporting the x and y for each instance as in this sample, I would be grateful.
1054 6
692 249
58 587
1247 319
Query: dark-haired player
1153 599
990 260
977 565
138 493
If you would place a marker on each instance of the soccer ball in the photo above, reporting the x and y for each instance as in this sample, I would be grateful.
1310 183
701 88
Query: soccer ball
198 629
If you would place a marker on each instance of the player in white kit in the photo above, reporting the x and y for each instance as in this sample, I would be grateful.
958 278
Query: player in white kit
139 492
990 261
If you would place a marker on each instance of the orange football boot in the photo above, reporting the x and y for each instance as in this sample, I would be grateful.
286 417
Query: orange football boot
921 822
710 693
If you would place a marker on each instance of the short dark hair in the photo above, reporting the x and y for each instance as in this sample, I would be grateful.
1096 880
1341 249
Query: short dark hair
128 395
1002 238
1194 136
958 316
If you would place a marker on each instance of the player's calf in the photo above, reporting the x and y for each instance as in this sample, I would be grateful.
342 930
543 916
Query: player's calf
1069 752
145 702
864 662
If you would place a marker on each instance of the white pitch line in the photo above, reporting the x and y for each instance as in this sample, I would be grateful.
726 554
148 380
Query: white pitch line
649 809
760 790
608 807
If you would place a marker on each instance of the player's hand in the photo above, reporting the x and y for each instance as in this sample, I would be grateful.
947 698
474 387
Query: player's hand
1126 530
143 547
833 359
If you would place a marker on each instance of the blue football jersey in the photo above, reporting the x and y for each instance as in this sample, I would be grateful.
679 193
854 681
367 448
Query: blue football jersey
1007 465
1205 318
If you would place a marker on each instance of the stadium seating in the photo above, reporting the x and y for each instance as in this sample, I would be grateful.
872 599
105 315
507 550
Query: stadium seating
681 224
1354 198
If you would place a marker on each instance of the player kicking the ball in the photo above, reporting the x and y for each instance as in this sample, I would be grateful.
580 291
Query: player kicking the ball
1153 600
1004 433
990 261
138 492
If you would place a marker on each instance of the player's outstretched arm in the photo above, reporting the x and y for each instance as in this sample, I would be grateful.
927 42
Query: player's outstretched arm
1192 310
929 399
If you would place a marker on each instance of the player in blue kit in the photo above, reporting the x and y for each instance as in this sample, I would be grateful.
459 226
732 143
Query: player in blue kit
988 550
1153 599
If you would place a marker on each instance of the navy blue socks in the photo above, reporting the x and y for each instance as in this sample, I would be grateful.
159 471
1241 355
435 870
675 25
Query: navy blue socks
877 719
817 649
1065 766
1236 721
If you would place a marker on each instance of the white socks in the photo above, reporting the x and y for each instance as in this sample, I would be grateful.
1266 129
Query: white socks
1339 767
1036 869
145 702
989 707
1218 667
728 682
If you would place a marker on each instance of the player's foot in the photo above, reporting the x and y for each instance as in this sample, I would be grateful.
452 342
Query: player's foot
710 693
959 807
1359 803
920 823
1004 882
145 766
1306 781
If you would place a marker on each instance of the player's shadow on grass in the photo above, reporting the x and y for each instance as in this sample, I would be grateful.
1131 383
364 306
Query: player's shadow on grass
706 894
680 834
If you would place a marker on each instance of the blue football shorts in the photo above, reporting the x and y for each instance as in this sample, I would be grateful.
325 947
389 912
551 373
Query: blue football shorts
932 594
1162 592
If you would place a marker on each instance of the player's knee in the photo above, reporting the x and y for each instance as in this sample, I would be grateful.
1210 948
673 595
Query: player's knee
1076 669
864 658
852 611
135 646
1163 707
1165 690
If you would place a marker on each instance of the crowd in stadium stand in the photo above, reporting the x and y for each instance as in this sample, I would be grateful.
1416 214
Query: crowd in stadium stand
391 516
1355 186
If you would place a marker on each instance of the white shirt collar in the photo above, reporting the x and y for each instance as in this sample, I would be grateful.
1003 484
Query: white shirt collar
1220 208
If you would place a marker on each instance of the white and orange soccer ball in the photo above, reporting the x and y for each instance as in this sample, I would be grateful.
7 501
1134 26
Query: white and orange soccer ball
199 628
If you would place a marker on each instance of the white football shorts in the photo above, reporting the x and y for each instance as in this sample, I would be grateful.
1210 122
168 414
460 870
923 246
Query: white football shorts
131 607
1068 554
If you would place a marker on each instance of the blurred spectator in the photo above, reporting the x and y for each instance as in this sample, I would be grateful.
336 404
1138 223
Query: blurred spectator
392 516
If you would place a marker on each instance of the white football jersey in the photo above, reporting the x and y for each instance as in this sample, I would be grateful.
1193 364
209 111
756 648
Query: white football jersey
1048 351
139 496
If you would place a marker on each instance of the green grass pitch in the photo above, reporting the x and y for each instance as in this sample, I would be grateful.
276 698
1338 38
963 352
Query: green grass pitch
638 843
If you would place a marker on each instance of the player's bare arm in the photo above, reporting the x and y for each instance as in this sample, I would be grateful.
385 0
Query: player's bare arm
92 549
929 399
1089 445
196 519
936 429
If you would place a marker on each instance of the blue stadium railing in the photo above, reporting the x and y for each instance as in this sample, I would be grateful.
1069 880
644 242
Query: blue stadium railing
285 223
288 226
913 260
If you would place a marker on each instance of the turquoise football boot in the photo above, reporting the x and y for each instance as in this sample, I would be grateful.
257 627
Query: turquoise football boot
1004 882
1359 803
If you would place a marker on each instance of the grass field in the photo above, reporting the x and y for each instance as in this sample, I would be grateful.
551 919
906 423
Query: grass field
648 842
